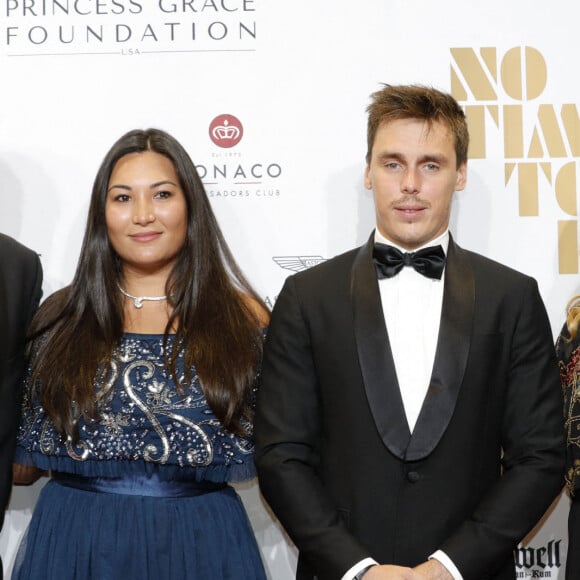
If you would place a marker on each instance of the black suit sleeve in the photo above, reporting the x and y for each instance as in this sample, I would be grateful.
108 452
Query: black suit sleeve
20 293
288 445
533 448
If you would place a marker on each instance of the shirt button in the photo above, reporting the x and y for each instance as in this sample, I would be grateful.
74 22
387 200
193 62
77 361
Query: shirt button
413 476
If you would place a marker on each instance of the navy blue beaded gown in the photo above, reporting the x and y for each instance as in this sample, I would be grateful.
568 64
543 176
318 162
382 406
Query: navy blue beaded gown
143 494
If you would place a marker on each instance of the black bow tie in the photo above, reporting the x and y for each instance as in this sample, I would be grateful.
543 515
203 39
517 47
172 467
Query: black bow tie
389 261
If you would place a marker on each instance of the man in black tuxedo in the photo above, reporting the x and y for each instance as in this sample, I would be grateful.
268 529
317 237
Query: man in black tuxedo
409 421
20 292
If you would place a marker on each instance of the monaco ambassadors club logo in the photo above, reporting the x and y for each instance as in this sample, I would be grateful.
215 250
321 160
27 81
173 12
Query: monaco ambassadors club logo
236 173
226 131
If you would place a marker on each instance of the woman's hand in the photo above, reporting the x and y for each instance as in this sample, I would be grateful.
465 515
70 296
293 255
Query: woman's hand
25 474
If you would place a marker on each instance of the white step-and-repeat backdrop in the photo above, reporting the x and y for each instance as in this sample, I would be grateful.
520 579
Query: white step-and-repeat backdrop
293 79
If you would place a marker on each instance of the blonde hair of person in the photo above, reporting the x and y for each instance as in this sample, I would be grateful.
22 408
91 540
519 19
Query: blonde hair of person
573 316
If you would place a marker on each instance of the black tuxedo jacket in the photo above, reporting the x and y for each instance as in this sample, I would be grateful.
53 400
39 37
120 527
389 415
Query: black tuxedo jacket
335 457
20 292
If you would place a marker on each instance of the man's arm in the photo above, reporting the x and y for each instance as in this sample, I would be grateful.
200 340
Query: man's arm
35 288
287 432
533 448
22 268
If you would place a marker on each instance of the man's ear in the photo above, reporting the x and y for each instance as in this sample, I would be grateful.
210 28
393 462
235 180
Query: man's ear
461 181
367 181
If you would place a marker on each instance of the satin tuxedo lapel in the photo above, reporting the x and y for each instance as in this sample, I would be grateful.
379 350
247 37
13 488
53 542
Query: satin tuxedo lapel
375 356
377 364
451 356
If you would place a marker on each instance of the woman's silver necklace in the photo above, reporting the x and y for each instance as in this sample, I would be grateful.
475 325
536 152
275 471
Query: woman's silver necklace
138 300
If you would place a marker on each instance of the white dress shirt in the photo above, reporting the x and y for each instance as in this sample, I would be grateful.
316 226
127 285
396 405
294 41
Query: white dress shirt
412 308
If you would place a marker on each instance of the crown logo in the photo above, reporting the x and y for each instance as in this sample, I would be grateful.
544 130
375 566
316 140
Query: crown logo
226 131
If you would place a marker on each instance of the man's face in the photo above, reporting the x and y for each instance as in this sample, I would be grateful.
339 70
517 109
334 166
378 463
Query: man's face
413 174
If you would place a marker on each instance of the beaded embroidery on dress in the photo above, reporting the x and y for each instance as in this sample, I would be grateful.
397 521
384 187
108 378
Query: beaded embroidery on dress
143 417
142 515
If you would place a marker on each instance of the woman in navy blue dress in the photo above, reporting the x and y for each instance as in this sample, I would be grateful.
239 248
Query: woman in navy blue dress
140 387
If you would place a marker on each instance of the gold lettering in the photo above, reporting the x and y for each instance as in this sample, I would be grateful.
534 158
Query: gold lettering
517 66
522 76
568 246
553 138
513 129
547 170
551 131
571 123
475 115
536 149
511 73
527 188
536 73
565 188
476 77
509 171
457 89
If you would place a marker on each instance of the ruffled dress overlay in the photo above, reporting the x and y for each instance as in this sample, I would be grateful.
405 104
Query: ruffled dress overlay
143 494
568 353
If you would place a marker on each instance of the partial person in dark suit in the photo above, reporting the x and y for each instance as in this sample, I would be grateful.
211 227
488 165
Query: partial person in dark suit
20 292
409 422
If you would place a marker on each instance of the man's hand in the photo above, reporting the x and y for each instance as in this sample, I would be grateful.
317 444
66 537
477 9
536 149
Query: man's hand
430 570
433 570
391 573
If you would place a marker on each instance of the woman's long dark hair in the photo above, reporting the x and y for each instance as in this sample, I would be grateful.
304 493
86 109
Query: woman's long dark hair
80 326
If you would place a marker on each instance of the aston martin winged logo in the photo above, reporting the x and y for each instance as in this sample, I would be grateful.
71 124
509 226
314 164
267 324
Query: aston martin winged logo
298 263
